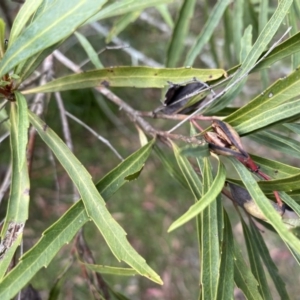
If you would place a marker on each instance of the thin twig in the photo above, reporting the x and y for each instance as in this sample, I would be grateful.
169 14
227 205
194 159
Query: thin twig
64 121
4 136
99 137
150 114
96 283
66 62
67 134
38 108
163 27
32 79
102 50
135 54
111 115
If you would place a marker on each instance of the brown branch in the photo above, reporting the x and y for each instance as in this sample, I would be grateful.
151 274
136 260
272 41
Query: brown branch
134 115
147 127
38 107
178 117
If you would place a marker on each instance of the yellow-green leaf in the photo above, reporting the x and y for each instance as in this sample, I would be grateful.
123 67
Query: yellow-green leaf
139 77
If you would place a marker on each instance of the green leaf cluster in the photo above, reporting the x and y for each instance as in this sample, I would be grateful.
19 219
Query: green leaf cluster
270 119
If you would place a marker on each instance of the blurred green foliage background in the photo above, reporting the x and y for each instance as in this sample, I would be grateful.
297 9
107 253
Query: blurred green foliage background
146 207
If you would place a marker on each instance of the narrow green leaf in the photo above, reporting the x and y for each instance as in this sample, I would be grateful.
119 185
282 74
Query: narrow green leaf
43 252
292 204
2 38
284 49
210 252
90 51
199 158
61 232
46 30
171 167
243 277
238 25
196 151
45 5
264 204
262 21
134 176
56 289
206 199
297 6
198 219
180 32
7 253
192 179
251 16
228 21
246 43
23 124
293 127
121 24
27 67
270 265
26 11
274 168
207 31
274 114
259 46
111 270
277 141
295 254
139 77
164 12
113 180
118 295
5 126
263 14
278 93
125 6
226 283
264 78
255 263
287 184
57 286
214 46
293 17
17 208
220 218
112 232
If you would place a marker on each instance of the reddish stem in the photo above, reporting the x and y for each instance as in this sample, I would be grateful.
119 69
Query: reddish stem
249 163
196 125
266 177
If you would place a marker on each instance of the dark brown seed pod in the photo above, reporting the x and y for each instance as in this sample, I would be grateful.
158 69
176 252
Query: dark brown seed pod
225 141
179 95
243 199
